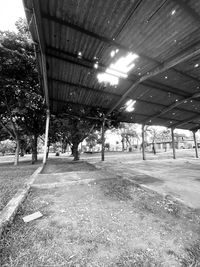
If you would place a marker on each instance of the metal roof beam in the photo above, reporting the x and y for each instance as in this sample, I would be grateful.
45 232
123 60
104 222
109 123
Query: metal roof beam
89 89
41 55
177 59
70 102
174 105
118 96
53 52
106 40
185 122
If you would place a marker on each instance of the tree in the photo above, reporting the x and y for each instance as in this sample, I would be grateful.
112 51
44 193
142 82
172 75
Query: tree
77 122
21 102
157 134
128 133
92 140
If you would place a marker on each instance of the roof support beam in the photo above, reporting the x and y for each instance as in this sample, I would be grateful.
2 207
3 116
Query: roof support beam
94 90
105 40
118 96
73 103
87 32
185 122
41 54
56 53
176 104
177 59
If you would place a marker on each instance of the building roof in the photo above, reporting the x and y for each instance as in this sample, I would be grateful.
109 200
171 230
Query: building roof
74 35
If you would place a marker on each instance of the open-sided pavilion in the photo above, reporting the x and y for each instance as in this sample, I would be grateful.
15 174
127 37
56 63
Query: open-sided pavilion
76 40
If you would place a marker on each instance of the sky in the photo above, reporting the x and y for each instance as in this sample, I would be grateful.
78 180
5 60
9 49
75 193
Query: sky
10 11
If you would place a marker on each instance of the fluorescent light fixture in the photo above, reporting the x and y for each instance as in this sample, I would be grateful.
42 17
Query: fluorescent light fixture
119 69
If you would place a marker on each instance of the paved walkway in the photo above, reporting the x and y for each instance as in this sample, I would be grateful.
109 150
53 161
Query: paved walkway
179 178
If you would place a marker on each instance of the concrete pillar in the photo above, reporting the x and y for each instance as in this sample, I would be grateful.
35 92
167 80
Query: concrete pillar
195 144
143 144
173 144
102 140
46 136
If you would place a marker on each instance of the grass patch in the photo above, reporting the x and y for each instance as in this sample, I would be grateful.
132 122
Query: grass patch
12 178
66 165
109 222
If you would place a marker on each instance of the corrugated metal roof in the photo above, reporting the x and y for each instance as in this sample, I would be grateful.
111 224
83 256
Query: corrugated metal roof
157 30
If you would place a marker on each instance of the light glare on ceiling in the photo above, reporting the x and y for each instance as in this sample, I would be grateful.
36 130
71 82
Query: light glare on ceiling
119 69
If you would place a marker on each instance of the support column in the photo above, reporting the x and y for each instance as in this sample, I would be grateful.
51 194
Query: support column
195 144
143 144
102 140
46 136
173 144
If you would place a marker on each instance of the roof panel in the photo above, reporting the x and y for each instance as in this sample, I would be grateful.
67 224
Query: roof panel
158 30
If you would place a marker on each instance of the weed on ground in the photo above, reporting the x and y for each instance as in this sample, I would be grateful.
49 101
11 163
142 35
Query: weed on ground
110 222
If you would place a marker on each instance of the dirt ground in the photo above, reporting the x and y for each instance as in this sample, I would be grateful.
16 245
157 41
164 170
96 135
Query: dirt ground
102 222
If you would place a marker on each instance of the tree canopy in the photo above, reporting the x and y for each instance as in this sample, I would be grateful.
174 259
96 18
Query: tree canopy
21 101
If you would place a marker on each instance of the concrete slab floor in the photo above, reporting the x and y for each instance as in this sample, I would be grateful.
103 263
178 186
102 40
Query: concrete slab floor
179 178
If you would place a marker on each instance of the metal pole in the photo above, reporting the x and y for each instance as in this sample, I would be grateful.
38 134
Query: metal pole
46 137
143 144
102 140
195 144
173 144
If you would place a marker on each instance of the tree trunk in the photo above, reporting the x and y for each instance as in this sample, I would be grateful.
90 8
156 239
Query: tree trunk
75 151
48 146
34 149
154 149
16 160
123 148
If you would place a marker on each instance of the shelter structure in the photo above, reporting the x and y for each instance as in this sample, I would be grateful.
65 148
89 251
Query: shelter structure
138 58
